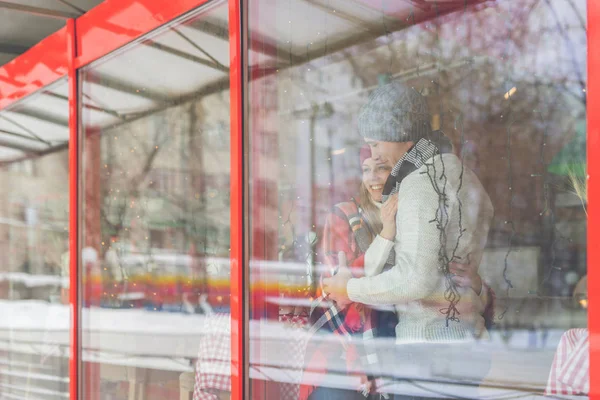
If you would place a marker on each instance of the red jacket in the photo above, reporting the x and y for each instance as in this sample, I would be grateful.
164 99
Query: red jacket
338 235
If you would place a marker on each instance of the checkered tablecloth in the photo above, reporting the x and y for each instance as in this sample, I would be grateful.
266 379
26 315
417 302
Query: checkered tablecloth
296 321
213 369
570 372
296 338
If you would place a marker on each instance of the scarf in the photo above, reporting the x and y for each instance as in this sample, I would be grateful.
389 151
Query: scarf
325 316
414 159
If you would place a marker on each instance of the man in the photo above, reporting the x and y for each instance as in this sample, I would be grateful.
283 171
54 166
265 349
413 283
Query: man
443 217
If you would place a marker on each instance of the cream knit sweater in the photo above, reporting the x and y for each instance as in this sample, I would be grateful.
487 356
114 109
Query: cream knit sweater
416 284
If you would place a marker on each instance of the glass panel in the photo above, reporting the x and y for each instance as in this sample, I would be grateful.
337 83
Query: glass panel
34 246
155 248
472 278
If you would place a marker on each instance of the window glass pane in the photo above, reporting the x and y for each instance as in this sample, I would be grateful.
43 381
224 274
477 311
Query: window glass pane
474 114
34 246
155 248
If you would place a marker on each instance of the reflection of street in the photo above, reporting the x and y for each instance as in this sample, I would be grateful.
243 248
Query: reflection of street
168 343
34 280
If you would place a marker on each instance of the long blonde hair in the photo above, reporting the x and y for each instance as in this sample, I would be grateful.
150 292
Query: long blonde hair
372 213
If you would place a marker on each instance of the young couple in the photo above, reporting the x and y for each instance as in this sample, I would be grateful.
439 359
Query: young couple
416 235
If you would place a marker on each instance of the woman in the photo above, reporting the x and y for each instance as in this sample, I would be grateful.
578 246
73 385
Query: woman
363 233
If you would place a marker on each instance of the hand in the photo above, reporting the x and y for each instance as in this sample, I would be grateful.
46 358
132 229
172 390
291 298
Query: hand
335 287
466 275
388 217
366 386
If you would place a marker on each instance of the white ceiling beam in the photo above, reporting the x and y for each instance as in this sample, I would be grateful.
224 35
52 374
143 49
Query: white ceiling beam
42 12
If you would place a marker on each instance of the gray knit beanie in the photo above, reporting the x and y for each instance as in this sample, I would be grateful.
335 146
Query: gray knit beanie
395 113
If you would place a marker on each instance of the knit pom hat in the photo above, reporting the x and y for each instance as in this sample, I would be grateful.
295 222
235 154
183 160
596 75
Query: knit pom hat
364 153
395 113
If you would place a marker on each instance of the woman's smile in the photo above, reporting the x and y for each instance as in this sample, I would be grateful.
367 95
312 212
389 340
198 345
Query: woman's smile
374 176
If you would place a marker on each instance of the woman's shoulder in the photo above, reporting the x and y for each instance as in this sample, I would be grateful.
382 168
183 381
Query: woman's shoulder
348 211
348 208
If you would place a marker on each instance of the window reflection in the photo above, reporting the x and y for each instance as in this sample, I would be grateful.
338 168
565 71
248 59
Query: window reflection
34 244
505 83
155 251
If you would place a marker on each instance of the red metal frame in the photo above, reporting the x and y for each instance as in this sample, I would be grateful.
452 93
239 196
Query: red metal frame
115 23
593 160
102 30
74 361
41 65
236 82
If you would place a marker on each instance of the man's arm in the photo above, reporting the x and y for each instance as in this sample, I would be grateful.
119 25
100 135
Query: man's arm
377 255
416 271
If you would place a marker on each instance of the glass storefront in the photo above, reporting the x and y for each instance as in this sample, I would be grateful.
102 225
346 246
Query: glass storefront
155 247
410 178
34 243
498 89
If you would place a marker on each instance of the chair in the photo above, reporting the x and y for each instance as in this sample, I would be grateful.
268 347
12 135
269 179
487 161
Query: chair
186 385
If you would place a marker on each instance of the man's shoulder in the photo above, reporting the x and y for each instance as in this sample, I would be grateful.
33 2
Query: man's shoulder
458 181
448 166
447 161
435 166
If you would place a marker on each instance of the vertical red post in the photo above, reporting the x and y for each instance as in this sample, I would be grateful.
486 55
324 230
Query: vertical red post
74 362
593 226
236 82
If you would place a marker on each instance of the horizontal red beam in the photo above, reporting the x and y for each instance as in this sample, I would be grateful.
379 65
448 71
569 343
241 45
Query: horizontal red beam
41 65
102 30
115 23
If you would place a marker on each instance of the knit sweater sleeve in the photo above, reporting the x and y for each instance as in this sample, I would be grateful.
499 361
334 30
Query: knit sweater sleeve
415 274
377 254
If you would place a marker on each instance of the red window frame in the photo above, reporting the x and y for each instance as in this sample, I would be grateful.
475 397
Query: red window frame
593 160
74 361
116 23
236 112
97 33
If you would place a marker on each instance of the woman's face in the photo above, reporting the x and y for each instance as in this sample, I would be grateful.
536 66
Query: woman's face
375 173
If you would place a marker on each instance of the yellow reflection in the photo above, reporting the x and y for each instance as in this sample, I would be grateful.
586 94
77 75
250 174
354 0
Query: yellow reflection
510 92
